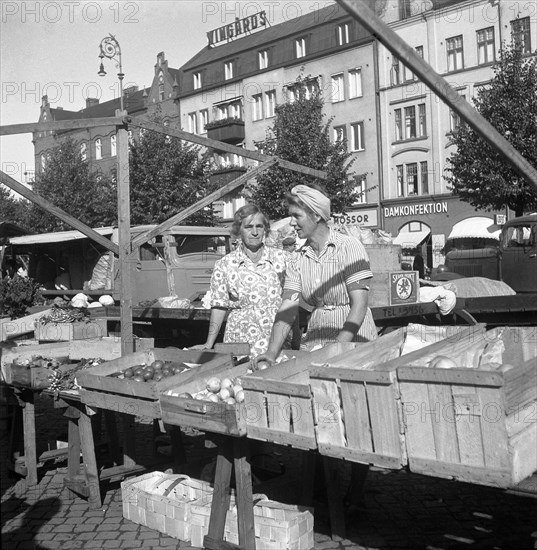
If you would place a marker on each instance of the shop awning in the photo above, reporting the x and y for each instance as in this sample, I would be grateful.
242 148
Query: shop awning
411 239
57 237
475 228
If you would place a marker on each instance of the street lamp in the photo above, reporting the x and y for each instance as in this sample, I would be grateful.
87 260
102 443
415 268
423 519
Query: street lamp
110 49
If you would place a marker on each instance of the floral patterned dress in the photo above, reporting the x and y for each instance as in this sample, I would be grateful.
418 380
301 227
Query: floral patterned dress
251 292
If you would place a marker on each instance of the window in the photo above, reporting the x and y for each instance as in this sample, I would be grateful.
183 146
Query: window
192 123
161 85
520 32
400 181
340 133
408 75
262 58
113 175
422 120
270 103
485 46
454 119
357 136
395 73
300 47
455 60
257 107
412 178
398 125
43 162
342 35
424 178
98 149
338 88
228 70
405 10
232 109
355 83
204 120
83 151
197 81
408 179
309 89
410 122
359 190
113 146
131 136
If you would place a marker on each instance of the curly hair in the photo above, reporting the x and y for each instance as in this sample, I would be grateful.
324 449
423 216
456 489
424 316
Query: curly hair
244 212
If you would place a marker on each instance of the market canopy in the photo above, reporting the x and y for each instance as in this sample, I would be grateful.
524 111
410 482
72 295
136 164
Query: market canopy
475 228
411 239
57 237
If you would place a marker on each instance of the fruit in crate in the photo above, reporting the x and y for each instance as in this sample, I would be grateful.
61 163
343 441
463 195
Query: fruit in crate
153 372
442 362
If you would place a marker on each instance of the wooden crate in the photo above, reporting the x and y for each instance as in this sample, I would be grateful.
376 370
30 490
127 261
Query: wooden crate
357 409
102 348
279 401
77 330
475 423
204 415
103 391
11 328
277 526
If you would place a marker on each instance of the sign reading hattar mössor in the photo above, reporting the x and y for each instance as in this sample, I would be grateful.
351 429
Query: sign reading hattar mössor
416 209
236 29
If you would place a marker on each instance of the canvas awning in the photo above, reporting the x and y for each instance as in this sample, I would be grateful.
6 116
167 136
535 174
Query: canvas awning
411 239
475 228
57 237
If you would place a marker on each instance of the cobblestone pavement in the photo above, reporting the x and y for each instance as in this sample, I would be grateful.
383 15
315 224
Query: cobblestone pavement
401 510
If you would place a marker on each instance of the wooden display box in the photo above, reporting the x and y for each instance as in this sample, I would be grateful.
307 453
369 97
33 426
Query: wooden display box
357 401
103 391
77 330
475 423
102 348
280 407
204 415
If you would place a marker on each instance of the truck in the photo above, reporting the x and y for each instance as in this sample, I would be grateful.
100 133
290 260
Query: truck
177 263
513 260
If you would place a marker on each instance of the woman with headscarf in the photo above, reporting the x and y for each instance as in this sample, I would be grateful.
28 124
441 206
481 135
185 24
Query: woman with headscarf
331 273
248 283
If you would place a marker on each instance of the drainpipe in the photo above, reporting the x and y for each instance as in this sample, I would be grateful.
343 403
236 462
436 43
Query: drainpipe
379 130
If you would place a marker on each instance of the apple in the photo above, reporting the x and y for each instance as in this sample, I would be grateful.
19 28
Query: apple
224 394
239 396
442 362
214 384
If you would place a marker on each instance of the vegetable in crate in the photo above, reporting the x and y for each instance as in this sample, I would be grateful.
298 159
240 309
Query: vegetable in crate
154 372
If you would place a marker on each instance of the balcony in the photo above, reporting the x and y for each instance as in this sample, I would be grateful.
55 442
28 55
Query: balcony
228 130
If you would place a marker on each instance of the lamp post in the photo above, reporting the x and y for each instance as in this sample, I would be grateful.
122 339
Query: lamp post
111 49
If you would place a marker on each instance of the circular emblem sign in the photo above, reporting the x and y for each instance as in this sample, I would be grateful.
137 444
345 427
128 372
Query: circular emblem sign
404 287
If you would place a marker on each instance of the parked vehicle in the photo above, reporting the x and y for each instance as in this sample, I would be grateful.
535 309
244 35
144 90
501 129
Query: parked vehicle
177 263
513 261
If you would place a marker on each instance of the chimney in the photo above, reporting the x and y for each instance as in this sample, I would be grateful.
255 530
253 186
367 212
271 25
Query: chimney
91 102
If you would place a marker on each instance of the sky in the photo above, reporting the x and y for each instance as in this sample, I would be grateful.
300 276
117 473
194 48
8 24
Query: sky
51 48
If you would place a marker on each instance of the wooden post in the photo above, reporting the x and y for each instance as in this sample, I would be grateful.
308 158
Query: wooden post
124 238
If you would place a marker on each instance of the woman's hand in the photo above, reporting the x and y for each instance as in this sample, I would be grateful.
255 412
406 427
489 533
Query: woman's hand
201 346
263 361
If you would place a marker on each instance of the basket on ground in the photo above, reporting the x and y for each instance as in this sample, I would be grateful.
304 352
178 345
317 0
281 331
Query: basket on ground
162 502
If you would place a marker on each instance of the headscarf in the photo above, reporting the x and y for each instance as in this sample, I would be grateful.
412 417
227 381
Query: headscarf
313 199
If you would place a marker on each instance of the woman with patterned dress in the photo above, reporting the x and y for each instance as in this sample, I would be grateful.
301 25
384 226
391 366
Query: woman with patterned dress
331 273
248 284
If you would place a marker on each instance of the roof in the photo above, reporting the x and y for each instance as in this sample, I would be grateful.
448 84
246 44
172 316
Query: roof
411 239
10 229
475 228
271 34
65 236
530 218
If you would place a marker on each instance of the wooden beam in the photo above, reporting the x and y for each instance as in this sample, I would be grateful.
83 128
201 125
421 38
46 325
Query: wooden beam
174 220
221 146
58 212
126 257
12 129
439 85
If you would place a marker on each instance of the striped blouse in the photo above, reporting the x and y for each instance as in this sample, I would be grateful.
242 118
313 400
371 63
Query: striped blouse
323 281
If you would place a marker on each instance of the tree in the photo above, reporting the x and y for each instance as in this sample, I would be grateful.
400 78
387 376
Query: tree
166 176
479 174
300 135
13 209
68 183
